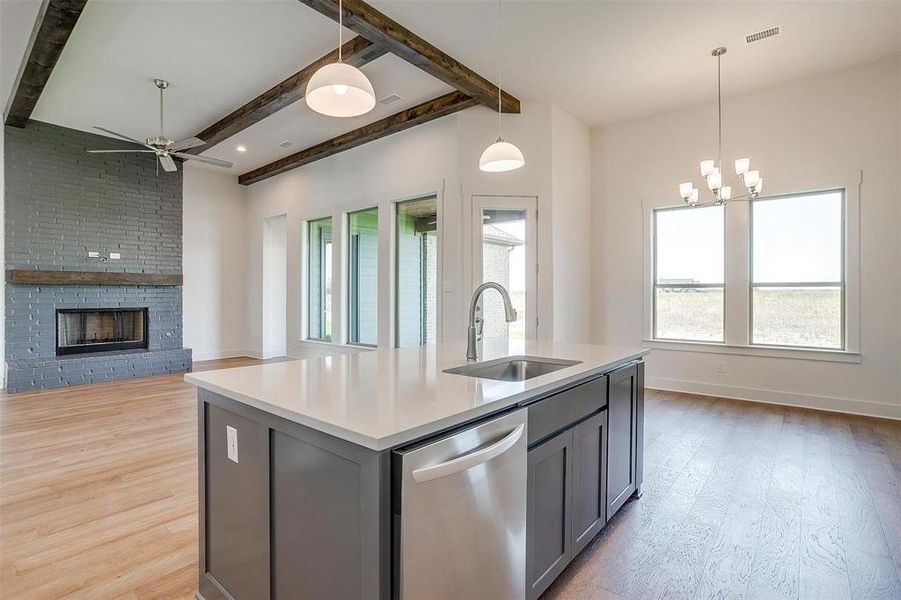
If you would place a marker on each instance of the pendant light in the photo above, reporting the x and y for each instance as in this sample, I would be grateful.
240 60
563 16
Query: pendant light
500 156
338 89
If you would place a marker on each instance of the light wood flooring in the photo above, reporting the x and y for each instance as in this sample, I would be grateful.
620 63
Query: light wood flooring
98 499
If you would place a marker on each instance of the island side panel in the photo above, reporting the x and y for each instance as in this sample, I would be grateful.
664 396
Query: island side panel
327 521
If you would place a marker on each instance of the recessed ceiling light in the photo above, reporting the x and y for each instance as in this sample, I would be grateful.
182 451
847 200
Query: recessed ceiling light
241 149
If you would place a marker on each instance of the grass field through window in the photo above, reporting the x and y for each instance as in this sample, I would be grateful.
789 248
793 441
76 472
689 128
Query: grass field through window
807 317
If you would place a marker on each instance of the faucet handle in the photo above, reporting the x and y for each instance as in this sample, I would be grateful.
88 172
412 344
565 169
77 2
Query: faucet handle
480 324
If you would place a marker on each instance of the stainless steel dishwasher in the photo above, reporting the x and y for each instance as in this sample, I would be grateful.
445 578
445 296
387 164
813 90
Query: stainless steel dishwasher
460 514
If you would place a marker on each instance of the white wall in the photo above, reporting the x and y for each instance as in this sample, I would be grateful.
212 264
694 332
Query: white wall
215 265
834 123
439 157
571 185
275 256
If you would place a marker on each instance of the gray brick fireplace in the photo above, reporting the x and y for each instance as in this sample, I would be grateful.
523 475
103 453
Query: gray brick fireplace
61 204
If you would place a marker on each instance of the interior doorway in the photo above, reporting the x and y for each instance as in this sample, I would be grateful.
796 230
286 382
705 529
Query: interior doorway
275 286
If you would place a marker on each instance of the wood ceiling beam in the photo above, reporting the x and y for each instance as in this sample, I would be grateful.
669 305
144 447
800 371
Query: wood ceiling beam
357 52
380 29
55 22
422 113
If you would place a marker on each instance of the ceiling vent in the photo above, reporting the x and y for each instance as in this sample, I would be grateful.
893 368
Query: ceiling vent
287 144
390 99
763 34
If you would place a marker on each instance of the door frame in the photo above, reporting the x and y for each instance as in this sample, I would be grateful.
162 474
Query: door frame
480 202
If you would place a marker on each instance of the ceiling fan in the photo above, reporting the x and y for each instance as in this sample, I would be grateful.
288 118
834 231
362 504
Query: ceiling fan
163 147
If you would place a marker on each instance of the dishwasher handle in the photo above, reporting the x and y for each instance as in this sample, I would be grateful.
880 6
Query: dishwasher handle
468 461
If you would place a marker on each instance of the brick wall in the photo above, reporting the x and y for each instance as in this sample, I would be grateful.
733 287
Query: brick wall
61 203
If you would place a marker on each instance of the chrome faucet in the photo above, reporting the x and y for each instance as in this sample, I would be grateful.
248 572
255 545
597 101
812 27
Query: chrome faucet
510 314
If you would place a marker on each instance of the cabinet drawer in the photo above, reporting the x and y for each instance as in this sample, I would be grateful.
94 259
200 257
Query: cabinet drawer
559 411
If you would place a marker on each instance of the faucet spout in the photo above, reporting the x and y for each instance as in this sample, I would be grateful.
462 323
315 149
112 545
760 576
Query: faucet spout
509 314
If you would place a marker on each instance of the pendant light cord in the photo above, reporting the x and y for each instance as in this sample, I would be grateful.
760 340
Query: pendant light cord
499 46
719 111
340 27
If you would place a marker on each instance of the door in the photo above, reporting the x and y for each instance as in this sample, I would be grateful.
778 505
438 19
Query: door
622 449
589 508
549 531
463 513
504 251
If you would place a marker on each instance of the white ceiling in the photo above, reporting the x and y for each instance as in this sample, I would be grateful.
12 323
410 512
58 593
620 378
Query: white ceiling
602 61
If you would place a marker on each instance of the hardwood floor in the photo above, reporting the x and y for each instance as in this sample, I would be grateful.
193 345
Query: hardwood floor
98 489
745 500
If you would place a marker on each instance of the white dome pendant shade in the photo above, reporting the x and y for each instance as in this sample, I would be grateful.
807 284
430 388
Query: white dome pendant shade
501 156
340 90
337 89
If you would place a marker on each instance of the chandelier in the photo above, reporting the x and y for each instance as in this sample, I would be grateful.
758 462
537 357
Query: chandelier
711 170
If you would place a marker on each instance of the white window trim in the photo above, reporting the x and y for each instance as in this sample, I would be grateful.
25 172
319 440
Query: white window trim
737 264
386 305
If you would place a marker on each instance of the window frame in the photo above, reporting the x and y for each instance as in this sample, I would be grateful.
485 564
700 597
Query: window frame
656 286
842 284
395 267
307 287
788 182
352 277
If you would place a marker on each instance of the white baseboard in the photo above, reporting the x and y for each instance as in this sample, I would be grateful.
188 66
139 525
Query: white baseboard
827 403
217 354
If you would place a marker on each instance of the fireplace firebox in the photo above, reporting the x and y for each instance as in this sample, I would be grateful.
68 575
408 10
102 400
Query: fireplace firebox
86 330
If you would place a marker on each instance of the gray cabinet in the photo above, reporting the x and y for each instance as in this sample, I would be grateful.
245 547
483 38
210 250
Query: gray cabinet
589 495
566 479
549 502
625 428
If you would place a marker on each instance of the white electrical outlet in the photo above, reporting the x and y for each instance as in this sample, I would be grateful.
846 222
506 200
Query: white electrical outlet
92 254
114 256
721 367
231 435
448 285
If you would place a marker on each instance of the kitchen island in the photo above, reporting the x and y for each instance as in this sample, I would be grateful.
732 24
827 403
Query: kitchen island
379 474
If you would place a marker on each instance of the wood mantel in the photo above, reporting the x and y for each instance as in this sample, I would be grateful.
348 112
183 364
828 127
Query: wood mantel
40 277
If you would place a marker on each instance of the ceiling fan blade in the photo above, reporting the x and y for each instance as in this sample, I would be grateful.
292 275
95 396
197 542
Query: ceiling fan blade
119 135
191 142
205 159
168 163
108 151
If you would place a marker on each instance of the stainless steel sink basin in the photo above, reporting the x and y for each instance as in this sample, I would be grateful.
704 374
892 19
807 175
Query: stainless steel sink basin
513 368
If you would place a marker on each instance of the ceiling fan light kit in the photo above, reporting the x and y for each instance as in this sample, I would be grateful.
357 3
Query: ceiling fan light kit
339 89
711 170
163 147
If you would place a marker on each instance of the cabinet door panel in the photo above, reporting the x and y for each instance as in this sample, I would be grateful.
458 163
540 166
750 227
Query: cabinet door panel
622 409
549 529
589 479
237 505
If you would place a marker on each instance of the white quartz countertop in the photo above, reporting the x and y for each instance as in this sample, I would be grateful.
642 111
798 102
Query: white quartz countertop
386 398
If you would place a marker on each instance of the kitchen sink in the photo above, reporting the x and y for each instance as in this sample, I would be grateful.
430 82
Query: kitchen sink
513 368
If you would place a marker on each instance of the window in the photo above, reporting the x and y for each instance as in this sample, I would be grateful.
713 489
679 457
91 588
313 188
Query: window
319 283
417 272
797 270
363 276
689 274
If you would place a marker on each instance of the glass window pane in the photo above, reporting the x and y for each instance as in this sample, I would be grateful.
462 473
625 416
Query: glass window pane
504 262
363 276
798 238
319 273
417 272
689 314
798 316
690 245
